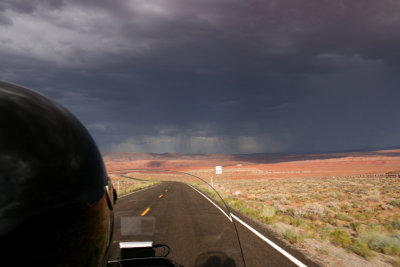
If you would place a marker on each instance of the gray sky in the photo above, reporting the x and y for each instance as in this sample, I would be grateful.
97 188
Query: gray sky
213 76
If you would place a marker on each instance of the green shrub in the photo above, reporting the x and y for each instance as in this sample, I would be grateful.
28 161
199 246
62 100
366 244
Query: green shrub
381 242
356 204
311 227
372 197
379 219
389 227
372 227
340 197
344 207
267 212
340 238
356 226
331 221
396 224
324 251
238 204
285 219
296 221
362 249
313 209
324 232
290 211
343 217
395 202
292 236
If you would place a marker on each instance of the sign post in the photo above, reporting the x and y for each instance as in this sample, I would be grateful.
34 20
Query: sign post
218 170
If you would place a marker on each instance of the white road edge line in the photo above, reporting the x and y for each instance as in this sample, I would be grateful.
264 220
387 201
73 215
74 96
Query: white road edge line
272 244
269 242
212 202
137 191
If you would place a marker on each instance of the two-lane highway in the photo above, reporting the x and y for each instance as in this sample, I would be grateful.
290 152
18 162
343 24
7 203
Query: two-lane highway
173 213
197 231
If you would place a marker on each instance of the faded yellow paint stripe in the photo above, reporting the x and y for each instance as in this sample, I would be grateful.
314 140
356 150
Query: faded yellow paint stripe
144 212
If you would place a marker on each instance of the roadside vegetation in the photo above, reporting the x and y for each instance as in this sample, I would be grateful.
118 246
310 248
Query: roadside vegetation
359 215
127 184
349 221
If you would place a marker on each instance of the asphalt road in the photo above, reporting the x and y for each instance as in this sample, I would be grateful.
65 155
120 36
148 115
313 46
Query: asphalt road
197 232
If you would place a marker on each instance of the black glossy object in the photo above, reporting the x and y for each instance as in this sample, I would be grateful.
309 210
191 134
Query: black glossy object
53 202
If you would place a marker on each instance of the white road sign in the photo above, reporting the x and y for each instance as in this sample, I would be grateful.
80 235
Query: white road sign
218 169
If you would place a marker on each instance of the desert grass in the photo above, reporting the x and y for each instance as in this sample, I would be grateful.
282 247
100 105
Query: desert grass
360 215
124 185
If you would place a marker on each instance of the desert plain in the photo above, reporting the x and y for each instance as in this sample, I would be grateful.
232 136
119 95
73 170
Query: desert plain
338 209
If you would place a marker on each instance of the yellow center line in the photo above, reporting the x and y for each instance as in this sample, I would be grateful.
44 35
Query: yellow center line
160 196
144 212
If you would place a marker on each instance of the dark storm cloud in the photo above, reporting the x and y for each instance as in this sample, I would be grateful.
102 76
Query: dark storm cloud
213 76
